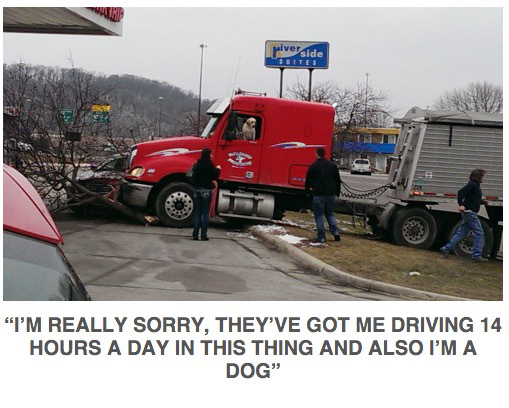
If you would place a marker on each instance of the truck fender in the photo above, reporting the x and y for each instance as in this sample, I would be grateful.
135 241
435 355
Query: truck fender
385 217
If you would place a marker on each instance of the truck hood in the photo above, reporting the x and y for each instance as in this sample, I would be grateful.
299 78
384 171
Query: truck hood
165 156
172 147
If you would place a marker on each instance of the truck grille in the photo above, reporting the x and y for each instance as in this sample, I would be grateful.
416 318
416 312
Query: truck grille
96 187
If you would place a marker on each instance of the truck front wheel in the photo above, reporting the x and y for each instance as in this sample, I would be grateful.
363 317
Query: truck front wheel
175 204
414 227
466 246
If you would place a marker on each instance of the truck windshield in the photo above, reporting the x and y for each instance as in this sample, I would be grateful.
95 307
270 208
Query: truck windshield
211 126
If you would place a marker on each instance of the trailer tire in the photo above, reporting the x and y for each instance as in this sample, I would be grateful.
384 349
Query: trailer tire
175 205
414 227
465 246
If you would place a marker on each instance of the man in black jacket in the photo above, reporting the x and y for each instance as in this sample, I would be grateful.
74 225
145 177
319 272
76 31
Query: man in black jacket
323 178
469 201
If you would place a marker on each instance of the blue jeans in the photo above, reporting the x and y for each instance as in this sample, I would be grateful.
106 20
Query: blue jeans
324 205
470 222
202 199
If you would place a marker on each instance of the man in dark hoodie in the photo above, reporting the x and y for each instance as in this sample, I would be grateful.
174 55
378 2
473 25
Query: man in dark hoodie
470 200
323 178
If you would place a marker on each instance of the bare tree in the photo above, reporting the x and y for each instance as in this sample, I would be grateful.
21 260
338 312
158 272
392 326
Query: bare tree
476 97
188 124
324 92
53 112
356 107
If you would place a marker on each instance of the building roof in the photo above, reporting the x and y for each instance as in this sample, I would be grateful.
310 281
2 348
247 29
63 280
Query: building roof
64 20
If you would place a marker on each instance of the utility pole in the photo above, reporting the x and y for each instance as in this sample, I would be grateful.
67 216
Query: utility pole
160 103
366 102
202 46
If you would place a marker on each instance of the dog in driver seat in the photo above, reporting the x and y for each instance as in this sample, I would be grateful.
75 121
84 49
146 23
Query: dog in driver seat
249 129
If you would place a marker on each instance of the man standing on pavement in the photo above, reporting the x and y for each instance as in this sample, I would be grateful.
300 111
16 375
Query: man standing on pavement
323 178
470 200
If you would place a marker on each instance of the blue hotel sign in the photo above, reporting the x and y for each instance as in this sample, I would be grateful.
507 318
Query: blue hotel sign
297 54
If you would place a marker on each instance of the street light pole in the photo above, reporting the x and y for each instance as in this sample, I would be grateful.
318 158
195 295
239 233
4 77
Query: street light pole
160 103
202 46
366 102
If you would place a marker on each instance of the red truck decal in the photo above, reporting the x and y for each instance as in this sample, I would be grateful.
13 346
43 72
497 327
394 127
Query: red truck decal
294 145
240 159
173 152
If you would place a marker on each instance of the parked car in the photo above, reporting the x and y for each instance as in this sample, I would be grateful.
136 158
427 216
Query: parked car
106 176
35 268
101 179
361 166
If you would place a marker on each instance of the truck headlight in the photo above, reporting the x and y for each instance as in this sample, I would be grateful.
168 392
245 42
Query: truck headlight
137 172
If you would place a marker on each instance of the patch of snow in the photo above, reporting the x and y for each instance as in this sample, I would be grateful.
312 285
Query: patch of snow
298 223
240 235
271 228
291 239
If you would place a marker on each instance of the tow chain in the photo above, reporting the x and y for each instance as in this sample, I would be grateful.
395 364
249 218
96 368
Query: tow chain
352 192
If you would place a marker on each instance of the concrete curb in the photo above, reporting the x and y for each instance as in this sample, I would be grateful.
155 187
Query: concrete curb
344 278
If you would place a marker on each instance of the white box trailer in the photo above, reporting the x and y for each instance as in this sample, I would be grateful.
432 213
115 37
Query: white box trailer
434 155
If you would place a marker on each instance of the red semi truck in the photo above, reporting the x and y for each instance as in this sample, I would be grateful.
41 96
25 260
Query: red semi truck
260 178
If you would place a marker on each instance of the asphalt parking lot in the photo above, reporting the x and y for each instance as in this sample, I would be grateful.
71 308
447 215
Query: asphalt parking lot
119 260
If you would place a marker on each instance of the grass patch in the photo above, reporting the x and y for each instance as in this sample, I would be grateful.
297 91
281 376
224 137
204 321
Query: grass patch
360 254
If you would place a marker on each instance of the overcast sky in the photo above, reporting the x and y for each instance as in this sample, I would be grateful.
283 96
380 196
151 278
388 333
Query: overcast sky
414 54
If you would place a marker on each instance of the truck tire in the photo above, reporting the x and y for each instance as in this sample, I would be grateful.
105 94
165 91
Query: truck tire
465 246
414 227
175 205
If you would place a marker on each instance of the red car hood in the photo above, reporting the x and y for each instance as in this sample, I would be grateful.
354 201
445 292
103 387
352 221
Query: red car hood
24 211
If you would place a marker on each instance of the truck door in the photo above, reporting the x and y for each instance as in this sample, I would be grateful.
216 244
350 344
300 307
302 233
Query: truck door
240 148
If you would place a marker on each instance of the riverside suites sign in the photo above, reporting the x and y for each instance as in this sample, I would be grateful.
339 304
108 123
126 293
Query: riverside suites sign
296 55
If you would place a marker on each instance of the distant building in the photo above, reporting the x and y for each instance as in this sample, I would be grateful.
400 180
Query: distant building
375 144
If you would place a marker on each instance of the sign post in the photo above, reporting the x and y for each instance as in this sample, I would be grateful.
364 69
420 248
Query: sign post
296 55
281 82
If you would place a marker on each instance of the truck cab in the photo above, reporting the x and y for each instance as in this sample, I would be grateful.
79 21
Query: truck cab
264 146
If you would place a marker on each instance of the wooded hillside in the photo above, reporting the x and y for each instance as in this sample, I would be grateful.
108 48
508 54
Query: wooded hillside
134 100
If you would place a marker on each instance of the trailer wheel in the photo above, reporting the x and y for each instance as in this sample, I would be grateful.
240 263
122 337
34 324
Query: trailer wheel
414 227
175 204
466 246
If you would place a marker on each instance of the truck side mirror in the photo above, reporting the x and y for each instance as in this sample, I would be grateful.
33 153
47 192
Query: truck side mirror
231 126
